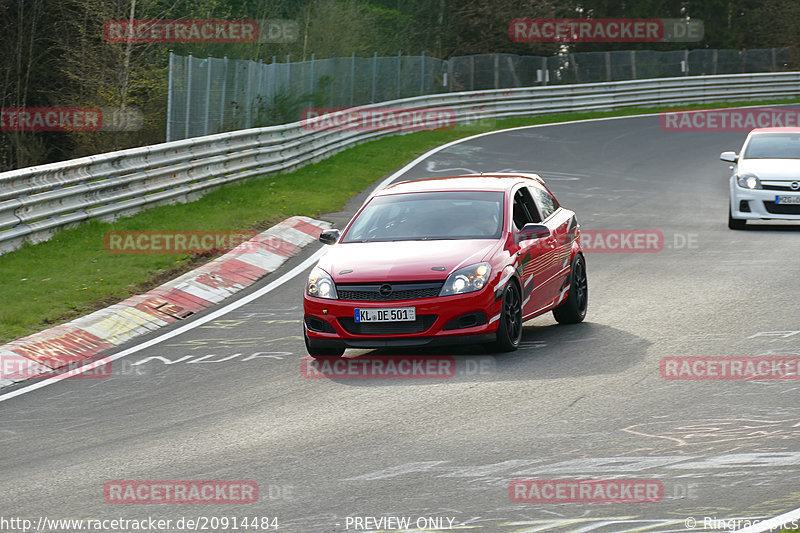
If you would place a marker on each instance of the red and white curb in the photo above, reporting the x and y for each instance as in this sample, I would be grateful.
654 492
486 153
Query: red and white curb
87 336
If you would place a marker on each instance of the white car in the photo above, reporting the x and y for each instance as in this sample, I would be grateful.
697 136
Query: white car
766 177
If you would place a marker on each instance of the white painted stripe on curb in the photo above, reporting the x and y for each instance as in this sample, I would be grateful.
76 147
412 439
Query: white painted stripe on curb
263 259
294 236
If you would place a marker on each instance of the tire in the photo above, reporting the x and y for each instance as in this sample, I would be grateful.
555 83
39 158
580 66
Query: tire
573 310
735 223
319 351
509 332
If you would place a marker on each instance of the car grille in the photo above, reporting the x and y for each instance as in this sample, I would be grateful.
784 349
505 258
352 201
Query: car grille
777 187
371 292
422 323
782 209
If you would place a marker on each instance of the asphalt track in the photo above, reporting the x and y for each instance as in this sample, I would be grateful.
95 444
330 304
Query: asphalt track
226 400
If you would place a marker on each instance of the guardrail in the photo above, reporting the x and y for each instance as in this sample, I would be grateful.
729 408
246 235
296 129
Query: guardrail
37 201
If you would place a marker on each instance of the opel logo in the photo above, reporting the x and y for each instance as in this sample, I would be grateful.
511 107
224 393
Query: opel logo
795 185
385 290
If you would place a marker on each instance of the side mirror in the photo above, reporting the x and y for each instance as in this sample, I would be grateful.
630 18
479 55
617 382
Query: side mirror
730 157
329 236
533 231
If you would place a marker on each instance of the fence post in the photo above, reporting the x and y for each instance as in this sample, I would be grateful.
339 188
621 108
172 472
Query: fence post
633 64
288 71
249 95
686 60
774 62
235 117
472 72
222 98
188 97
545 71
422 75
714 59
496 71
352 77
333 81
574 63
399 61
374 74
608 65
450 80
274 77
170 89
312 72
208 95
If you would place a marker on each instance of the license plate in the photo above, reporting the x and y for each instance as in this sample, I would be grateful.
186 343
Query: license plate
787 199
397 314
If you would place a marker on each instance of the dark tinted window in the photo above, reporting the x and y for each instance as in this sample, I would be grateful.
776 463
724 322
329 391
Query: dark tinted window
524 208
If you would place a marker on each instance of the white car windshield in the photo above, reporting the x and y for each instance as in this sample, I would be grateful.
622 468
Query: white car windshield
773 146
429 216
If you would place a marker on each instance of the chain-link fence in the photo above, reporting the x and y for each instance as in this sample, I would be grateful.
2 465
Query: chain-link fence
214 95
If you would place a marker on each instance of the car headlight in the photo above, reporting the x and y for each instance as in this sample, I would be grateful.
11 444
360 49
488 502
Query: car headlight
320 284
467 279
748 181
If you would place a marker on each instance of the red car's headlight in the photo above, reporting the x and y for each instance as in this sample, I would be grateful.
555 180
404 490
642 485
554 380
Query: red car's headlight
467 279
320 284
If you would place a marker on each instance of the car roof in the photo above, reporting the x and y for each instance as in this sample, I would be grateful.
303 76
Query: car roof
774 130
495 181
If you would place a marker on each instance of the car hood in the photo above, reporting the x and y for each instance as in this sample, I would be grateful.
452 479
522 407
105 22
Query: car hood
771 169
376 262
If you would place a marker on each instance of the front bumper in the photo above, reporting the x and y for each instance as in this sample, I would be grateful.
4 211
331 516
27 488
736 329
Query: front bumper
761 204
440 321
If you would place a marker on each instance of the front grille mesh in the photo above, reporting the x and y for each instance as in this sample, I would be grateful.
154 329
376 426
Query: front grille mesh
371 292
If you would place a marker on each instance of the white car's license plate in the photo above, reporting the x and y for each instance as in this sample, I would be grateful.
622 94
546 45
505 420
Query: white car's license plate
787 199
397 314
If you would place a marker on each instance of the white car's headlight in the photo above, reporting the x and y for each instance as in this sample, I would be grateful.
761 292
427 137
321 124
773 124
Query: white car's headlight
467 279
320 284
748 181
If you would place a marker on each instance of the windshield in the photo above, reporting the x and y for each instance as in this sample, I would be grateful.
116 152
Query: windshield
773 146
429 216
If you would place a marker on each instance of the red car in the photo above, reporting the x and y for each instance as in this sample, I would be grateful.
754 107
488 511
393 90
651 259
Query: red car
463 259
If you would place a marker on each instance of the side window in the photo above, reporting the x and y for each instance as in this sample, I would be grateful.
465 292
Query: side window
544 201
524 208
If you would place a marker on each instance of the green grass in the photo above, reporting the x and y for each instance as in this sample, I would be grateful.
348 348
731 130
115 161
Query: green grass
72 274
